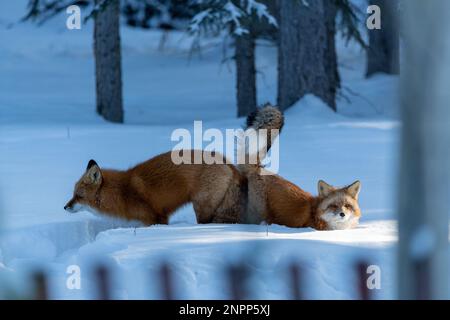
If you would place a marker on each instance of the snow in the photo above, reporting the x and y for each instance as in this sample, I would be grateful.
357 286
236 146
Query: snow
228 15
49 131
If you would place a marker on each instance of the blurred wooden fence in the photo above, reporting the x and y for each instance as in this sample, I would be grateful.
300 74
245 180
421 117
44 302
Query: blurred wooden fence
238 276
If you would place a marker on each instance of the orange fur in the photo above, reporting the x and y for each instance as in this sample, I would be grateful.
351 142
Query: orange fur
151 191
276 200
284 203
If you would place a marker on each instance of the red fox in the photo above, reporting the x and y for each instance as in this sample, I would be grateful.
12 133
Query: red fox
286 204
220 193
153 190
275 200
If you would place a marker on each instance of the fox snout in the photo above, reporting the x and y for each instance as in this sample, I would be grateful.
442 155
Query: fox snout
70 206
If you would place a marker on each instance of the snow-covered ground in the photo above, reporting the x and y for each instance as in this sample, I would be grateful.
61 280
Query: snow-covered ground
49 131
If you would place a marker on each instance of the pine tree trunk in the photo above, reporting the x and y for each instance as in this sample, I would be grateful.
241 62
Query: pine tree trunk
261 28
307 54
246 75
331 60
383 52
108 69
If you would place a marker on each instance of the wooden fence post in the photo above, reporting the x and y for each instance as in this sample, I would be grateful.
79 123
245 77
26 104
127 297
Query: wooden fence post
167 282
103 283
41 285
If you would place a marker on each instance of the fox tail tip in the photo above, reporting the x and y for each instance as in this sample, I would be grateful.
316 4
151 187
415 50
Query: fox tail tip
266 117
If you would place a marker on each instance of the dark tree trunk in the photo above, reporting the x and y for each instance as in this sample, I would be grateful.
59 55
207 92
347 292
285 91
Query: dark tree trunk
246 75
262 28
331 60
108 70
383 52
245 59
307 54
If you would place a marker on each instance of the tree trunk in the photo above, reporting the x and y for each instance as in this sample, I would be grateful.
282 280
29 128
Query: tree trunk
261 28
331 62
307 62
245 58
108 69
425 159
246 75
383 52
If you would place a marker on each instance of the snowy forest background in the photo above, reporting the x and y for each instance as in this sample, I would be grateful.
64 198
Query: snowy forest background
303 31
114 91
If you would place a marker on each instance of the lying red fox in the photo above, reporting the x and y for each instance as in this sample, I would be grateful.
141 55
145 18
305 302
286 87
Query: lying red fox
220 193
275 200
286 204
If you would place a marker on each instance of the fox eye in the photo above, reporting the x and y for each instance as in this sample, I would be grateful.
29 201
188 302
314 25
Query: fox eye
332 207
348 206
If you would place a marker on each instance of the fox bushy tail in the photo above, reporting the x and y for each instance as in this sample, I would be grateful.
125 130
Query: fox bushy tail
269 118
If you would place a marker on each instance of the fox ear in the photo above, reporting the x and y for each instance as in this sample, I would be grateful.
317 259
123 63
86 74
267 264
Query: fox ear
91 164
324 188
93 172
353 189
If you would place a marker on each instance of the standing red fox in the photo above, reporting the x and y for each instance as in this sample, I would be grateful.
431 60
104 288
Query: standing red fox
220 193
153 190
